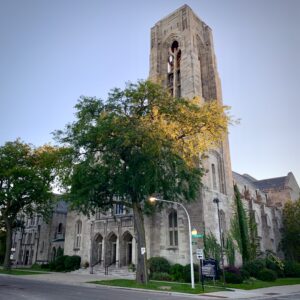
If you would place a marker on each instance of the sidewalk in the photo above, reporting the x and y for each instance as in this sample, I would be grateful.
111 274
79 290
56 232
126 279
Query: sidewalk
258 293
82 279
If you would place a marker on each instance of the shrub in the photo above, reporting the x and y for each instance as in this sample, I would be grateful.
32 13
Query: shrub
131 267
233 270
65 263
60 252
275 263
45 266
267 275
291 269
233 277
254 266
35 266
72 263
60 263
161 276
245 274
159 265
177 272
187 272
52 266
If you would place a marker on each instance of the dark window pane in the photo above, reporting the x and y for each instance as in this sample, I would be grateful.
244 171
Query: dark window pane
176 238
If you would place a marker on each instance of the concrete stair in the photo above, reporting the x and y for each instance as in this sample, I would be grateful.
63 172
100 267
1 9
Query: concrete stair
113 271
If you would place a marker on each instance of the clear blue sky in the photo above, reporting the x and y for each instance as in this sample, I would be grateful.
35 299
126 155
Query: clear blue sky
51 52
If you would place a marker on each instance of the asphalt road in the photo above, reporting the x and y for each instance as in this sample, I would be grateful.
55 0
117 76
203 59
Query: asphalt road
14 288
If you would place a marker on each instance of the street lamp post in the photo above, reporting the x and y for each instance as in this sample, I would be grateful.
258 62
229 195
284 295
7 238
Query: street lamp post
153 199
216 200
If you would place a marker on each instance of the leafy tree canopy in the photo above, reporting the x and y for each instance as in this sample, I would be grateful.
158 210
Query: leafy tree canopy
26 174
291 230
139 142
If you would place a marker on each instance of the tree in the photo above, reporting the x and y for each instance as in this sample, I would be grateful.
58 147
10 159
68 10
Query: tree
140 142
25 177
212 248
240 227
291 230
2 241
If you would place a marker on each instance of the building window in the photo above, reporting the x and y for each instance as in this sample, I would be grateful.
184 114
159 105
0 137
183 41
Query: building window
60 227
173 230
42 247
214 176
119 209
29 238
173 70
78 229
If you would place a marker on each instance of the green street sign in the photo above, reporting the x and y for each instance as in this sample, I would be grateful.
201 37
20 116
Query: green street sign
200 235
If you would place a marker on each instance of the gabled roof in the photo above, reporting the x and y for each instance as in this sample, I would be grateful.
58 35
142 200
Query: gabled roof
264 184
271 183
243 180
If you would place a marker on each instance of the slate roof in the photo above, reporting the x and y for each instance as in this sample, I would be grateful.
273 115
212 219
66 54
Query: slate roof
263 185
266 184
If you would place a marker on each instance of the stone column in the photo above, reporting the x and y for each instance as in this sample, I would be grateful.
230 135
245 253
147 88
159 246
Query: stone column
134 250
118 252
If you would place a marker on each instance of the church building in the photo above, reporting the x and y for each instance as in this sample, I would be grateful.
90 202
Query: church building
182 58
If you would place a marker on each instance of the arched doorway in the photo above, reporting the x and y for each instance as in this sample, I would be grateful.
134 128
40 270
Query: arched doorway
111 249
31 257
126 249
26 257
53 254
97 249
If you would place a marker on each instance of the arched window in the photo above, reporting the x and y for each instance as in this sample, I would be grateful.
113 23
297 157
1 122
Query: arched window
53 254
174 58
173 230
214 176
42 246
60 228
78 228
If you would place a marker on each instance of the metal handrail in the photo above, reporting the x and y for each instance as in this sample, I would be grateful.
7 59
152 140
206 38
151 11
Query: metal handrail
108 265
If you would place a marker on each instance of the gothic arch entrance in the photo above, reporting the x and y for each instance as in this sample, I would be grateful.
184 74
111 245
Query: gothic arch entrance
111 249
53 254
97 249
126 249
26 257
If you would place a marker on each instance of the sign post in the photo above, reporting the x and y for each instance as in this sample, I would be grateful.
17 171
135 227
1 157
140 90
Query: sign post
200 256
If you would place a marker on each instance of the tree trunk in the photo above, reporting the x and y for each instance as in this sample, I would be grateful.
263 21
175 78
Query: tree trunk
141 268
8 226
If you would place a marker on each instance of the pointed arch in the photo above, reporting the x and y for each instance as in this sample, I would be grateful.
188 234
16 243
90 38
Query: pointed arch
173 227
126 249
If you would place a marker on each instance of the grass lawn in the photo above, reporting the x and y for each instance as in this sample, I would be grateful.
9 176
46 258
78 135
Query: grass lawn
160 286
257 284
20 272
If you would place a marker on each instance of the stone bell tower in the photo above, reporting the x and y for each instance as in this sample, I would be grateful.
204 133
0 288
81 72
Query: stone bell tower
182 58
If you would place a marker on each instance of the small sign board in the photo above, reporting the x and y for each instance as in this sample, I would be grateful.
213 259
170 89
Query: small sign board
209 268
199 235
200 253
143 250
